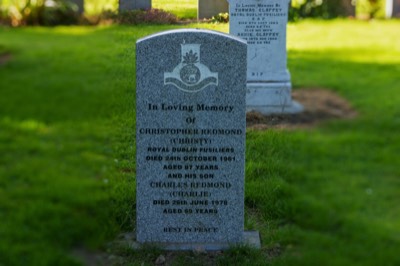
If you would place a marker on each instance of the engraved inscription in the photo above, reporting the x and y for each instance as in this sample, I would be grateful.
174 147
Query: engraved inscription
190 75
190 166
258 23
190 137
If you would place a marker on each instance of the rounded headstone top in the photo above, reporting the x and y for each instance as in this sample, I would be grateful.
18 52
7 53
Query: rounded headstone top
182 31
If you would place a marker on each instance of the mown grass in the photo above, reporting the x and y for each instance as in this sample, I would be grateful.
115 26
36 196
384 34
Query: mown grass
321 196
185 9
2 50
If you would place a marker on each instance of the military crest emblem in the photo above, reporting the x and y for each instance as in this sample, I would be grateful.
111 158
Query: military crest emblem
190 75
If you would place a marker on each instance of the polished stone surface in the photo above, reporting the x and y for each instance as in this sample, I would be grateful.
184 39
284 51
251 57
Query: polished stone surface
190 136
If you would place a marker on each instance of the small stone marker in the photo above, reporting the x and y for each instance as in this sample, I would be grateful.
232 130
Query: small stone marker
210 8
126 5
262 23
190 137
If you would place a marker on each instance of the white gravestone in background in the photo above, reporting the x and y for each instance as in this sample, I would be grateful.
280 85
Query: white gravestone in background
262 23
389 8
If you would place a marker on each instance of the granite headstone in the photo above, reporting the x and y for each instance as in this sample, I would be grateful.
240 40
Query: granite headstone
126 5
262 23
210 8
190 137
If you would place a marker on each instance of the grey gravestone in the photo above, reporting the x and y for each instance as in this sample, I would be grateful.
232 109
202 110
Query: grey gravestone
396 8
210 8
190 139
263 24
126 5
79 4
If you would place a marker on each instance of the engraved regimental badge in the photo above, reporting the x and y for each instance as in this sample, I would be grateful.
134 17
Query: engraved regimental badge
191 75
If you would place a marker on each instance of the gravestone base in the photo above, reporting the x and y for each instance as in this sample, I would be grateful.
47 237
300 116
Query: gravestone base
250 238
271 98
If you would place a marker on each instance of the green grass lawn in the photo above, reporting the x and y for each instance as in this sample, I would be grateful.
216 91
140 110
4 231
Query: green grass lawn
2 49
186 9
322 196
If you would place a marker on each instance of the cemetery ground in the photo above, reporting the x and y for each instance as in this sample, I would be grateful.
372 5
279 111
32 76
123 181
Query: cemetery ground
321 195
184 9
